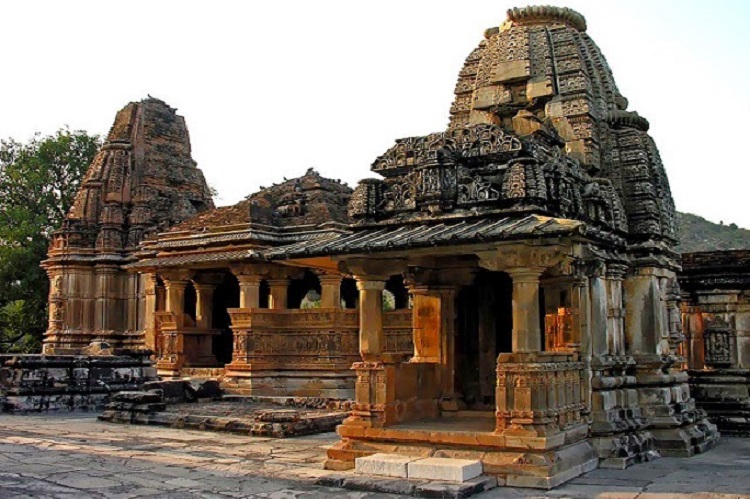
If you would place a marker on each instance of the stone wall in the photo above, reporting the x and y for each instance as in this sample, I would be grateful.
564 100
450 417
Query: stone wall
41 383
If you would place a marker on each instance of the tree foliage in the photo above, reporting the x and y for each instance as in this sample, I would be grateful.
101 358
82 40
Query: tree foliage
38 182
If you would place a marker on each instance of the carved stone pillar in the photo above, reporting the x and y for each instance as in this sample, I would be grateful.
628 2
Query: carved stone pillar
330 290
57 300
204 309
434 335
615 312
599 319
172 322
249 290
742 325
642 314
580 309
279 290
150 284
527 333
176 297
525 264
371 337
105 312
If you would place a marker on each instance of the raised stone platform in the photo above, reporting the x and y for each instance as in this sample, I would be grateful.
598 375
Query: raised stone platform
537 463
256 416
40 383
725 396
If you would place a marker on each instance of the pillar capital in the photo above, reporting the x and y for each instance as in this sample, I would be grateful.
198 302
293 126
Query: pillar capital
325 278
172 277
516 257
375 269
529 275
616 271
248 279
278 281
176 284
368 283
208 279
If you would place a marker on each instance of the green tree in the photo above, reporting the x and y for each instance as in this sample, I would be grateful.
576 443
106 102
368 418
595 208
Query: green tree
38 182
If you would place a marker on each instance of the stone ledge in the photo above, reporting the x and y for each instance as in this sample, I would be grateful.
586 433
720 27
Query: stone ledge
437 468
391 465
414 488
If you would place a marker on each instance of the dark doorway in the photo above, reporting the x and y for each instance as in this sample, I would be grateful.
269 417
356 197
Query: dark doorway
226 296
484 329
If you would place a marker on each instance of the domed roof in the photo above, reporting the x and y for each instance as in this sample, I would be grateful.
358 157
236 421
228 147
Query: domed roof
540 68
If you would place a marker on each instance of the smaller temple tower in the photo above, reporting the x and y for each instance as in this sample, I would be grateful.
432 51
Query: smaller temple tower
142 181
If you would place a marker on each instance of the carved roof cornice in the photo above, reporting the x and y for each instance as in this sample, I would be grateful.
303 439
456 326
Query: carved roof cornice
547 14
627 119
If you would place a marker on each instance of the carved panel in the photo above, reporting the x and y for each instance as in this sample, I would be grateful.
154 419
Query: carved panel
719 340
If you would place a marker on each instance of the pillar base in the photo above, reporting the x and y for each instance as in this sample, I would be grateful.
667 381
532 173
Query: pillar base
619 428
679 428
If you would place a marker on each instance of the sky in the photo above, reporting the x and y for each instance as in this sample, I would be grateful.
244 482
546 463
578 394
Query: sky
272 88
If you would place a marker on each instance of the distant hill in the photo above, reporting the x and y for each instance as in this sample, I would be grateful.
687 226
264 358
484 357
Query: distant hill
698 234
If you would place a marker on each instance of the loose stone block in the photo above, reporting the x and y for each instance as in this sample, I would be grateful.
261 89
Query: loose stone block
439 468
383 465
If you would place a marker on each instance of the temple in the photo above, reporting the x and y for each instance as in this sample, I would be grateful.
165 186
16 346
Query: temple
716 315
503 290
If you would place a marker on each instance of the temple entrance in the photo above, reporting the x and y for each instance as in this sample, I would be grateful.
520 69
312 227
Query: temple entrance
484 329
226 296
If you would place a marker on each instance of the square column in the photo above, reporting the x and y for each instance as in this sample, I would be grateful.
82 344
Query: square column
106 302
172 321
204 310
249 290
330 290
279 290
176 297
599 318
371 337
149 291
527 333
579 304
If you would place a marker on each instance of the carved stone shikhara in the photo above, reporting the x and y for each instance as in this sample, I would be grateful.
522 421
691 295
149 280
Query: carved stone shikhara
142 181
527 252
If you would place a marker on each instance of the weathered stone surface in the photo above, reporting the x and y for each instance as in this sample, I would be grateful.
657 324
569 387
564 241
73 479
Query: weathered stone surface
383 465
436 468
36 383
142 181
140 397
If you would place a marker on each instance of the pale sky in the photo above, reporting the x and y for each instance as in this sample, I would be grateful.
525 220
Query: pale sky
270 88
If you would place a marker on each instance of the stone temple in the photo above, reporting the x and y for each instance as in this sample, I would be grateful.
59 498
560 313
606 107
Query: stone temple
504 290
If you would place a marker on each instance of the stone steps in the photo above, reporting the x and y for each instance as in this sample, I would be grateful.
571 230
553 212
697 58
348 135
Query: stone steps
409 487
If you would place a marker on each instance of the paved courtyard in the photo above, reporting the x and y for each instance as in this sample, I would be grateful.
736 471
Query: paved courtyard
78 457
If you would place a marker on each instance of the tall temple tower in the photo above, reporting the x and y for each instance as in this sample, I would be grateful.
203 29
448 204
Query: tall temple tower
142 181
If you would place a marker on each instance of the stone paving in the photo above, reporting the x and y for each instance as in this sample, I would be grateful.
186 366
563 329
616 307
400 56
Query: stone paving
77 457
